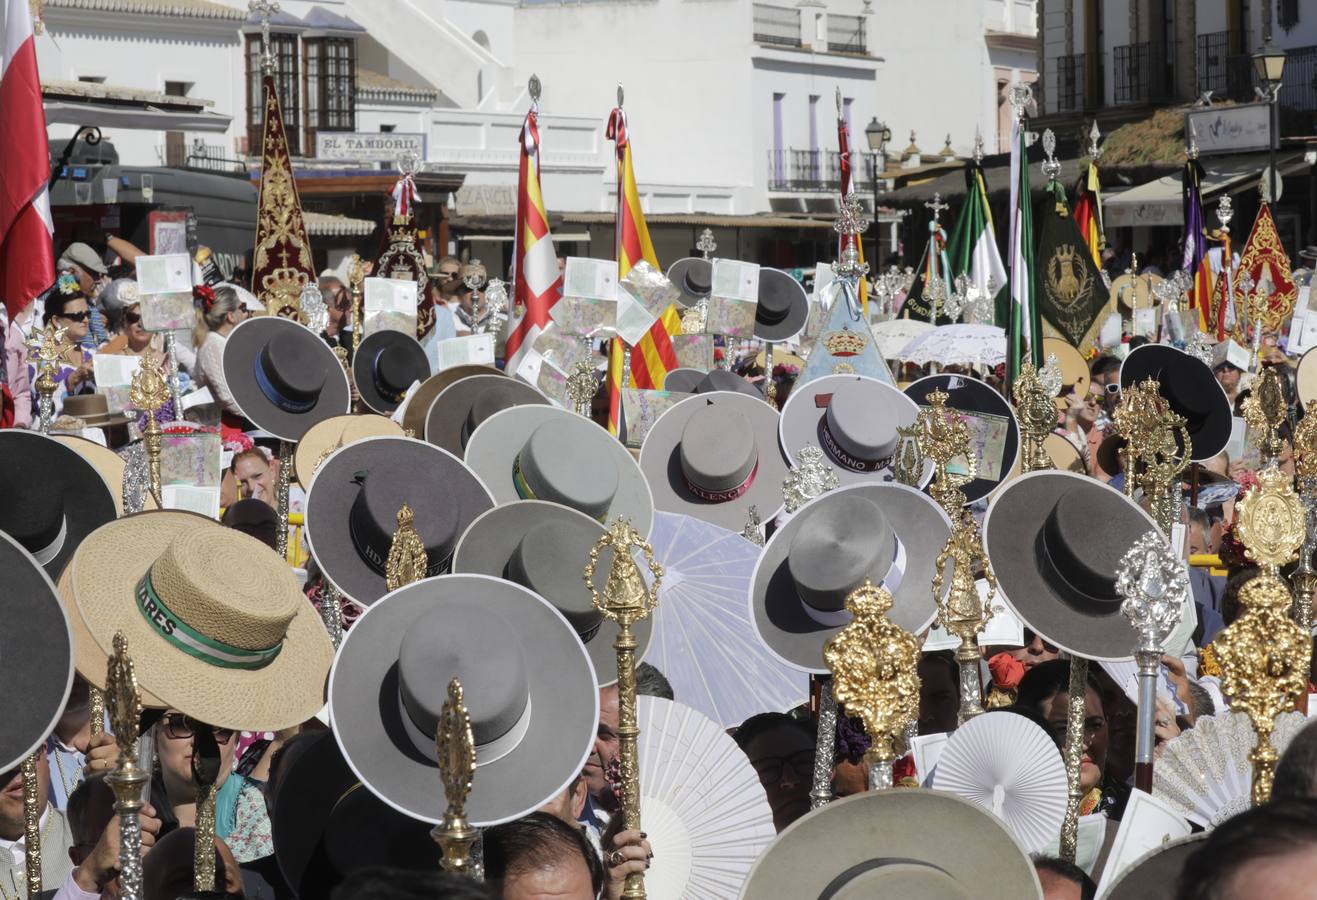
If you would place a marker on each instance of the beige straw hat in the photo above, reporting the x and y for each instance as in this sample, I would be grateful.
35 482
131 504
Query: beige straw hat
88 658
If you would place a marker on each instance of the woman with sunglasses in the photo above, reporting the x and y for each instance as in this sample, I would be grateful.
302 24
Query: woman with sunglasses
131 339
66 306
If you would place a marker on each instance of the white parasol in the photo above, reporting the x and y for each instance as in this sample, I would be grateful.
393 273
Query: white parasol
949 345
893 335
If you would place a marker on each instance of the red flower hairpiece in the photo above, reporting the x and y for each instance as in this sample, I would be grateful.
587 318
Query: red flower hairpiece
204 296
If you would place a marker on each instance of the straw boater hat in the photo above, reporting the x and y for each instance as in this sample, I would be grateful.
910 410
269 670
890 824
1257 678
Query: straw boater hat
852 419
88 657
106 462
544 547
546 453
1074 369
714 456
693 276
1155 874
783 306
1055 540
1305 378
53 497
972 397
459 409
1192 390
1064 455
216 622
528 683
912 844
418 405
325 437
36 654
283 377
353 503
890 534
385 365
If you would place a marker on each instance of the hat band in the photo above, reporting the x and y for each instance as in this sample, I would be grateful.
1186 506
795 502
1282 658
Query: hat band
844 459
391 395
378 561
192 642
486 753
836 885
891 581
1055 576
721 496
45 554
523 488
272 393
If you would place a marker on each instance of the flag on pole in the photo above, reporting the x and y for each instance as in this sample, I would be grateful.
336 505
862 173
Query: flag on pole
973 247
844 145
1196 247
537 284
27 261
1088 212
615 350
1024 328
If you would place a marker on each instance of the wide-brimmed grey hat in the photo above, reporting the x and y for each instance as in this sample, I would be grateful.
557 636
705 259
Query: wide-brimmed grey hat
418 405
852 419
783 306
385 365
36 653
975 399
528 683
890 534
713 456
683 380
723 380
459 409
1155 875
545 547
546 453
693 276
1055 540
283 376
353 502
911 844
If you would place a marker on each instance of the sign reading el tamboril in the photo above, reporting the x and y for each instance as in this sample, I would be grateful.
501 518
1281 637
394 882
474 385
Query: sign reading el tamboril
368 145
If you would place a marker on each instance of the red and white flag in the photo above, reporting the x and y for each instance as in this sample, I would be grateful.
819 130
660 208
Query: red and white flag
537 285
27 262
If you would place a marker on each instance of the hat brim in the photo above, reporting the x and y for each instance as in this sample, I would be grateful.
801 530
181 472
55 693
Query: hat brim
972 397
104 580
777 610
855 834
493 447
1155 873
88 658
448 411
798 313
324 437
245 343
440 477
36 654
677 275
660 461
798 426
418 406
364 357
88 501
1152 360
107 463
491 540
1305 377
1064 455
1010 536
683 380
367 715
1074 370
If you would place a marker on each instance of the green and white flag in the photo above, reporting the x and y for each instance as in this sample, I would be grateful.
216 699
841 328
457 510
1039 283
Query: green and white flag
973 246
1024 330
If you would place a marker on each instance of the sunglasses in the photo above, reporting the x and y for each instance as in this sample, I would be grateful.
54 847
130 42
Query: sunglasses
770 768
132 318
182 727
74 316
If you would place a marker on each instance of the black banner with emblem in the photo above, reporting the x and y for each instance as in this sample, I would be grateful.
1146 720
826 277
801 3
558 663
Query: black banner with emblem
1070 292
918 303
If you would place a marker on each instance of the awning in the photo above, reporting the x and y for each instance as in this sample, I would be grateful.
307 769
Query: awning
1159 202
318 223
142 118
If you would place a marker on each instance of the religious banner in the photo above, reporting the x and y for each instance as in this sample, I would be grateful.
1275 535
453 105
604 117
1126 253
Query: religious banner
845 345
1265 260
1070 294
403 259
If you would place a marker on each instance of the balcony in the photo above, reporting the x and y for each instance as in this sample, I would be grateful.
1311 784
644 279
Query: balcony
1299 91
200 155
1070 83
1144 73
778 26
816 171
846 34
1227 77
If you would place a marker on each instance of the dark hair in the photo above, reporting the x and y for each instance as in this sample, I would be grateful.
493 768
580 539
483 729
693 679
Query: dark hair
1235 582
650 682
1102 365
385 883
1296 773
87 830
763 723
1068 871
1029 712
1200 701
537 841
56 300
1046 680
1263 832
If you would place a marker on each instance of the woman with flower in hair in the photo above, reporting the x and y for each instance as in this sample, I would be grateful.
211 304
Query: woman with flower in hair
67 308
219 311
124 313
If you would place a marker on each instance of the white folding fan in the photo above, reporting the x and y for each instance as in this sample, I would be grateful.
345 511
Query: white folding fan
1010 767
1204 774
701 804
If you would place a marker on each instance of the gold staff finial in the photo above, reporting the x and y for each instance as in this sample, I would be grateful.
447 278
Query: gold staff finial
407 560
128 778
1264 413
1157 449
1037 415
47 346
149 392
456 749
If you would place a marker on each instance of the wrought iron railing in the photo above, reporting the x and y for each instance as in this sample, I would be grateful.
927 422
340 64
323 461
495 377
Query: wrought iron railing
846 34
776 25
1070 83
817 170
1144 72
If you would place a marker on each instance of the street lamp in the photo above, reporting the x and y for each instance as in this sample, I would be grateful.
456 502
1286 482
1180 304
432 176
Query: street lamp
1269 66
877 134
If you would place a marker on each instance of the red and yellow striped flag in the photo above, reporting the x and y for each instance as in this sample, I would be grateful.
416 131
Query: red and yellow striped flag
1088 213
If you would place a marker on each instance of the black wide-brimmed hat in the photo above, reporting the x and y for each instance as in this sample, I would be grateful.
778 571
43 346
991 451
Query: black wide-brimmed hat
53 497
714 456
852 419
385 365
1192 390
975 400
353 502
36 653
546 453
326 825
545 547
459 409
109 464
1055 540
283 376
528 683
890 534
418 406
693 276
783 306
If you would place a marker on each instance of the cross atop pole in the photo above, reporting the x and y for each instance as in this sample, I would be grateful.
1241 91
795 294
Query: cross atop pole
937 206
265 9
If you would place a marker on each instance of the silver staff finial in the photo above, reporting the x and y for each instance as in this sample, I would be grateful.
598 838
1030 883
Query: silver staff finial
534 87
265 9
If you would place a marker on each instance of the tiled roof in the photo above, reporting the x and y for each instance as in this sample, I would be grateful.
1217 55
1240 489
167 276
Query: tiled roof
191 9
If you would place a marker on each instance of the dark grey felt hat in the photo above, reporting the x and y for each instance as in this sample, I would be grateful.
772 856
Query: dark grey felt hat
852 419
1154 875
1191 389
693 276
283 377
385 365
723 380
972 397
529 686
683 380
783 306
457 411
546 453
544 547
1055 540
713 456
353 501
418 407
890 534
